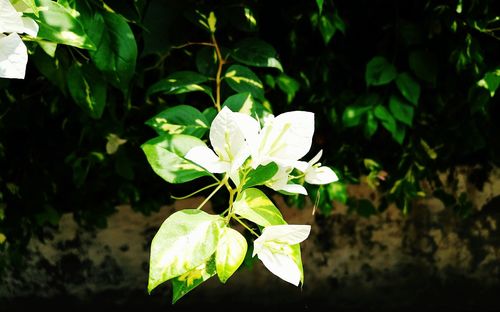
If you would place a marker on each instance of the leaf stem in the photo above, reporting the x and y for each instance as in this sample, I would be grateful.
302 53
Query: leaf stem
195 192
223 182
246 226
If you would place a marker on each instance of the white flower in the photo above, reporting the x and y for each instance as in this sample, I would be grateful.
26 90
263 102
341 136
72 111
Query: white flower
284 139
315 173
13 52
279 182
228 142
273 247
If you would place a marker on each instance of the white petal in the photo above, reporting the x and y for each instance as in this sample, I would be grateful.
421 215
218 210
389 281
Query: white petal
287 233
30 27
10 19
13 57
316 158
249 126
206 158
280 265
294 189
301 165
321 175
226 137
288 136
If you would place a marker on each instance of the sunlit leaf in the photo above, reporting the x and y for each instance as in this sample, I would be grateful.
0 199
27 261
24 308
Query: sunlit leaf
186 282
255 52
166 153
180 119
231 251
185 240
242 79
252 204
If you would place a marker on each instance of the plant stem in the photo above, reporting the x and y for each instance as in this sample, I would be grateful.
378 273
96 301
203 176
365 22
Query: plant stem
219 73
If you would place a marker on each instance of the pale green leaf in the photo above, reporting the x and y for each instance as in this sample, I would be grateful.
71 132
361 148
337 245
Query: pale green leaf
166 153
231 251
252 204
184 241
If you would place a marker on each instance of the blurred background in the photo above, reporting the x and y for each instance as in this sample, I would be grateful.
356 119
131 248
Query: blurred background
405 103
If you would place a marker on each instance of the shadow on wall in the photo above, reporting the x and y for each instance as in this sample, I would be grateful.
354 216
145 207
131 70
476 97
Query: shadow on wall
431 259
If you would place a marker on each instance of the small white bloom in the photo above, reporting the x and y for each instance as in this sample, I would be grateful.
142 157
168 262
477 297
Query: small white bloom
13 52
315 173
228 142
279 182
273 247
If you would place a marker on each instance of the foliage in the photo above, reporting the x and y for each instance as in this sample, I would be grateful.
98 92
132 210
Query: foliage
400 91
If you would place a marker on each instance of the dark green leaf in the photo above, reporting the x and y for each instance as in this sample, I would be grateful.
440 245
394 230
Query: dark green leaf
379 71
116 52
288 85
371 125
320 5
261 175
255 52
166 153
206 62
385 118
409 88
400 110
209 114
352 115
424 65
181 82
491 81
56 24
242 79
181 119
326 27
399 134
87 88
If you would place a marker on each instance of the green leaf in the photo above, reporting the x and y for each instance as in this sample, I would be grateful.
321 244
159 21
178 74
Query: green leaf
385 118
352 115
231 251
371 125
424 65
255 52
400 110
166 153
183 284
408 87
261 175
87 88
184 241
288 85
337 191
327 27
181 119
399 133
490 82
206 62
56 24
320 5
181 82
246 104
297 258
242 79
379 71
210 113
25 6
116 52
252 204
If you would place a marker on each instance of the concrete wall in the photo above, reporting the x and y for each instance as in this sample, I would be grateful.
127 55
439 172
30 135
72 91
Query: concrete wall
430 258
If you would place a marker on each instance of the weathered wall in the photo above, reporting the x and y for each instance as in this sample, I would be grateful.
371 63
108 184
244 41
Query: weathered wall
428 259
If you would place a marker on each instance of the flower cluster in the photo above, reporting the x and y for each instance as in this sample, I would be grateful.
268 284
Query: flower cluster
13 52
240 143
